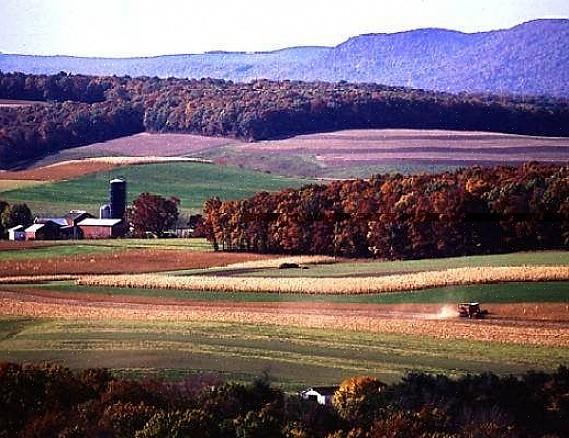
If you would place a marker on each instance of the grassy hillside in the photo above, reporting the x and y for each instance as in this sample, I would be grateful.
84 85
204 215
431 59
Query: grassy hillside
294 357
193 183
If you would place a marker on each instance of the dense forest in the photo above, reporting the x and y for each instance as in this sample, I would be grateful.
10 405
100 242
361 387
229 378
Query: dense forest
470 211
528 59
50 400
81 109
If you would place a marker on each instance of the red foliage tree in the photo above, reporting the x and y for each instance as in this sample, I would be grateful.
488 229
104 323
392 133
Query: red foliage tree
152 213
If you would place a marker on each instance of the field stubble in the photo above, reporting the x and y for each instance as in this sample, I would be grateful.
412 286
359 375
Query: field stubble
418 320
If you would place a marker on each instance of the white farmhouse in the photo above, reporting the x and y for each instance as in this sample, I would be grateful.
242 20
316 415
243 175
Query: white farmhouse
17 233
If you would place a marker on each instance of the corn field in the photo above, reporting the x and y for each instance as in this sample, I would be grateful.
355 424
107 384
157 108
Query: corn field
360 285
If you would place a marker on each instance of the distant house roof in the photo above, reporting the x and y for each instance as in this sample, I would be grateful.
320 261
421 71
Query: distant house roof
324 390
61 221
75 215
16 228
93 222
33 228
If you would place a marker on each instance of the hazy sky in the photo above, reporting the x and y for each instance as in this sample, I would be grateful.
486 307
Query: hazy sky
150 27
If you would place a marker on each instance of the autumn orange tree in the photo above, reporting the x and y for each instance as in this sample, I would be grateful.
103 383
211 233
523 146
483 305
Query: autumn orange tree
357 400
469 211
152 213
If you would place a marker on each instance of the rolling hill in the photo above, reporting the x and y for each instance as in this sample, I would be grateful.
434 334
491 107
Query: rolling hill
531 58
193 183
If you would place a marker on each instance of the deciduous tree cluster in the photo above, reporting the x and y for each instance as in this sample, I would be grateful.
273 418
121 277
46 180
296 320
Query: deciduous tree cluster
37 130
152 213
113 107
470 211
12 215
50 400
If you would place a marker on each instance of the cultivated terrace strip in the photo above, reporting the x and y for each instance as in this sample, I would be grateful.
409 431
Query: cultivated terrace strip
361 285
37 307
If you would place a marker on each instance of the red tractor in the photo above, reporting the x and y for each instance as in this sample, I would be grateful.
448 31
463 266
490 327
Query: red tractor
471 310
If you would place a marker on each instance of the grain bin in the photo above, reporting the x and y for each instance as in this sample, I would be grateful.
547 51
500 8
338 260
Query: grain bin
105 211
117 197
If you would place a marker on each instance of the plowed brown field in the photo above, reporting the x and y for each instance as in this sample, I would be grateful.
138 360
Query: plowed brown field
123 261
511 323
59 172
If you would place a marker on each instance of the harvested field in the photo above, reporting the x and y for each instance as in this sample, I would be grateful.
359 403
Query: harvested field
277 261
359 151
366 318
308 285
57 172
122 261
525 312
75 168
142 145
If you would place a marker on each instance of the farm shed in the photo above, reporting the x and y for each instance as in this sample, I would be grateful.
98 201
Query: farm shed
101 228
320 394
70 232
76 216
17 233
45 231
56 220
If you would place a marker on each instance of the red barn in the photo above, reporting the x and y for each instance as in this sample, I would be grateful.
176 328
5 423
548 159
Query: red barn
45 231
101 228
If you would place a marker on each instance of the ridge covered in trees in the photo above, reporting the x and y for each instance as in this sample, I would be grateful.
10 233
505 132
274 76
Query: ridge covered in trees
469 211
83 109
50 400
528 59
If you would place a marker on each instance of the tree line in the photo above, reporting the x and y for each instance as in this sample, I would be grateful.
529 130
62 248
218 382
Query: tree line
469 211
51 400
83 109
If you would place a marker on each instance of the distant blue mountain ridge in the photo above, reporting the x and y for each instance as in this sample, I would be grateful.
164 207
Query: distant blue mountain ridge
528 59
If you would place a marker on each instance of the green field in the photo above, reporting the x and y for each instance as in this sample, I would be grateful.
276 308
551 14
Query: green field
193 183
547 292
294 357
364 268
65 248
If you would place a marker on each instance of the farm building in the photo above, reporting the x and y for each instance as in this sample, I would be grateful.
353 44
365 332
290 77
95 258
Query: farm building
17 233
68 228
56 220
320 394
75 216
101 228
45 231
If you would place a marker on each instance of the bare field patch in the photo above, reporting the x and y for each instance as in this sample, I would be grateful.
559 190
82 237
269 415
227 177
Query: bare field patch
143 145
391 146
60 171
122 261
